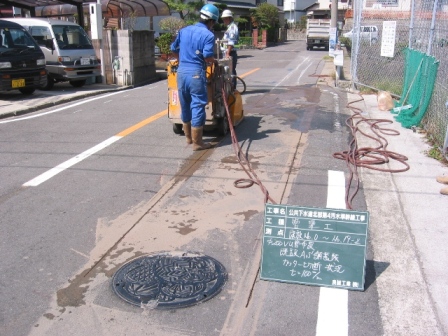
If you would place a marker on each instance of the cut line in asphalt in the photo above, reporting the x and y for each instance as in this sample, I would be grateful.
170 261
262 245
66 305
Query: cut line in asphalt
78 158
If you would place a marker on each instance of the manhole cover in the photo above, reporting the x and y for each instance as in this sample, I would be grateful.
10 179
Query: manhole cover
169 280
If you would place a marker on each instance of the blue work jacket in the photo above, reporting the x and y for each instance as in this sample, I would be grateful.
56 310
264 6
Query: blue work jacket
194 44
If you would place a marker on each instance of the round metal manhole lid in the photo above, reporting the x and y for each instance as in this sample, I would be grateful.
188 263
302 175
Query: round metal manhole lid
169 280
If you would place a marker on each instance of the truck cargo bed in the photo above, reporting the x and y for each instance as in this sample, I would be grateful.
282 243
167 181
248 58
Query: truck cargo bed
317 33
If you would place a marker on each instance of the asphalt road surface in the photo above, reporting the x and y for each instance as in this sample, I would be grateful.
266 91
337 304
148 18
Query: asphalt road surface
86 188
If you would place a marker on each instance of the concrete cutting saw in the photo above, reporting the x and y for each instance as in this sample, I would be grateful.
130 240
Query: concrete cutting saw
221 97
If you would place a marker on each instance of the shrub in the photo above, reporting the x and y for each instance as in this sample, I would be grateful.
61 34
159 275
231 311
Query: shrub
245 41
164 43
347 42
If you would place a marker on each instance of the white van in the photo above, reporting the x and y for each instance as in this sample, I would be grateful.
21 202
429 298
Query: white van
69 53
366 33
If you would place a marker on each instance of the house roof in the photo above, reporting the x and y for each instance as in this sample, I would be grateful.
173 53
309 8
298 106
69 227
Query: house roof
31 4
110 8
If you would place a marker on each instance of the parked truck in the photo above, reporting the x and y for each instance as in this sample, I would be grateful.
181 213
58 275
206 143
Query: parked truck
22 62
317 33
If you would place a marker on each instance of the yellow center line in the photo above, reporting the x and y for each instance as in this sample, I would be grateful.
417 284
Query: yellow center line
69 163
249 73
142 123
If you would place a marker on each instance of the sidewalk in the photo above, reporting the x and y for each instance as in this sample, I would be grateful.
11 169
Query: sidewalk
410 214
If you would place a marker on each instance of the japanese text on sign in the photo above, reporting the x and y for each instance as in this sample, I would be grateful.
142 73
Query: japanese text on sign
314 246
388 38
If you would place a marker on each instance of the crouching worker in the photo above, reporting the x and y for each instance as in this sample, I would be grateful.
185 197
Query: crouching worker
193 47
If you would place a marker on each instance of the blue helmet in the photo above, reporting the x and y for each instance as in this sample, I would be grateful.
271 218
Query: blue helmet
209 12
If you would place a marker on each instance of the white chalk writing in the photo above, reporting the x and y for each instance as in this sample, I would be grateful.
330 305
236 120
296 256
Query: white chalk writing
311 245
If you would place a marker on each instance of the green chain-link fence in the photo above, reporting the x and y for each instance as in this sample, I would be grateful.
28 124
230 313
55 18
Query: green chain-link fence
422 28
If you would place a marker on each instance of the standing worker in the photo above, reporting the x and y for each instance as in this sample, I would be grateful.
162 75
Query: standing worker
231 37
193 48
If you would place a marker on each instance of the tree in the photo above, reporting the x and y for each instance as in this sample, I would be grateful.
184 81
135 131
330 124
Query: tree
265 16
241 20
172 24
188 11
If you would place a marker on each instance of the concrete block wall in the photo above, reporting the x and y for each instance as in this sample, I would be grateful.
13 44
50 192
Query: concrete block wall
143 56
128 57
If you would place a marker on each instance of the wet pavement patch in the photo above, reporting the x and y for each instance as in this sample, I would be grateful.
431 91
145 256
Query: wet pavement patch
169 280
183 229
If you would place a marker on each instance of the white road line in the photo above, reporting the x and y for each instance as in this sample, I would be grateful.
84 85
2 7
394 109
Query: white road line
302 73
59 109
332 318
336 190
80 253
292 72
67 164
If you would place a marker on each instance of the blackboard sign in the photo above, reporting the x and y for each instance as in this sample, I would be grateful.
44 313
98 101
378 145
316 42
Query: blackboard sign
313 246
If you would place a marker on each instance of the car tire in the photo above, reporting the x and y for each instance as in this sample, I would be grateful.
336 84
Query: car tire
49 85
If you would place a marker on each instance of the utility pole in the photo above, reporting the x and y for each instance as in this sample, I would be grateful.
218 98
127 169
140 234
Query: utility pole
333 26
96 23
334 13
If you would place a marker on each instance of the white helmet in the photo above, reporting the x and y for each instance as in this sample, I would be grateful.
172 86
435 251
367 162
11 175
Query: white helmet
226 13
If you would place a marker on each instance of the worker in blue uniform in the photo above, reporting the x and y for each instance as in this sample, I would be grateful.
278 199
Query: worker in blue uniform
193 47
230 39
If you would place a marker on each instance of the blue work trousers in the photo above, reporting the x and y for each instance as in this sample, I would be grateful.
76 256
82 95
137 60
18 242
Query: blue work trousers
192 86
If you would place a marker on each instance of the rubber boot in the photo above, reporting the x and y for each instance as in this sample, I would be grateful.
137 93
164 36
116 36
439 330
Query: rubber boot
187 132
442 179
444 191
198 144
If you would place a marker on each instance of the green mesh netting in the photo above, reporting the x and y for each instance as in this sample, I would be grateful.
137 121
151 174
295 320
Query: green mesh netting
419 80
